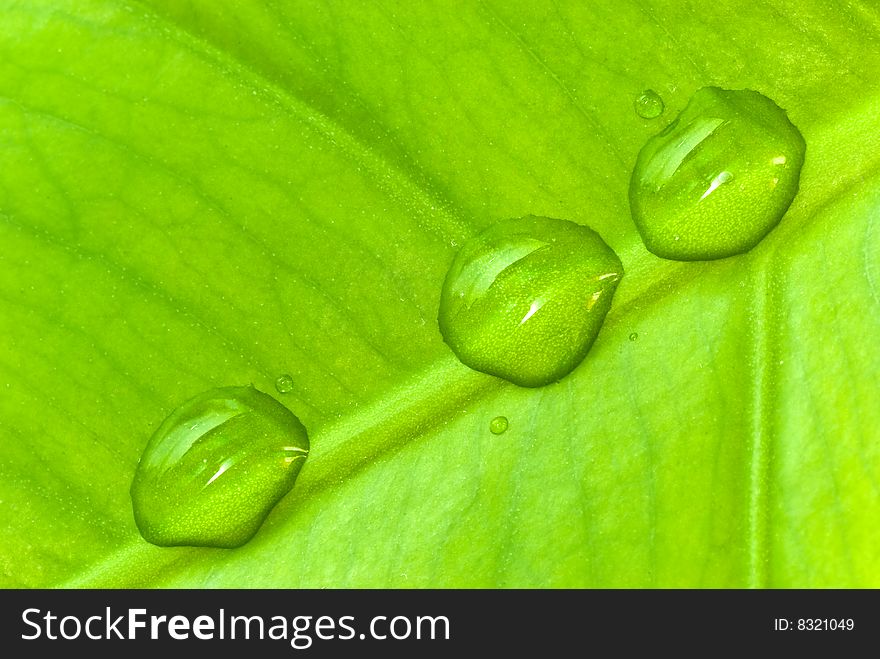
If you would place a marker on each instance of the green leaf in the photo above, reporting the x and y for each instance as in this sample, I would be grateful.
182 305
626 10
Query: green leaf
195 197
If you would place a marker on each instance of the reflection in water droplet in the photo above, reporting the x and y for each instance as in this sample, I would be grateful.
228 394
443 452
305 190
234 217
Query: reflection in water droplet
215 467
498 425
533 308
284 384
649 105
684 201
717 182
524 300
633 336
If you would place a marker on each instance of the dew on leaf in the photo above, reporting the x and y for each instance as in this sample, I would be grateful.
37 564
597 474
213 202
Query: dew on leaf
718 179
633 336
648 104
525 299
215 468
498 425
284 384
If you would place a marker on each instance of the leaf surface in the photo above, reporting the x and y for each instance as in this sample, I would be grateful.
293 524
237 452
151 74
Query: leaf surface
194 197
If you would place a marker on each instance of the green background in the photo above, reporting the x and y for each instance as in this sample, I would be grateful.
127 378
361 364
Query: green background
201 194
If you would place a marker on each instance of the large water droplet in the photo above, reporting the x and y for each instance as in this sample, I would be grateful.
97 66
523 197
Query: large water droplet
648 104
525 299
215 467
718 178
498 425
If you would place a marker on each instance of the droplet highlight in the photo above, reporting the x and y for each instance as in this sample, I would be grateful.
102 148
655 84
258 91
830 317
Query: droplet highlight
525 299
648 104
284 384
215 468
498 425
719 178
634 336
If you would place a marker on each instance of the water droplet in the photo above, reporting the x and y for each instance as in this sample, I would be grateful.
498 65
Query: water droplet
284 384
215 467
649 105
717 180
524 300
633 336
498 425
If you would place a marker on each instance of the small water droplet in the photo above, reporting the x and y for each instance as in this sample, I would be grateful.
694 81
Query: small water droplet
649 105
633 336
524 300
215 467
719 178
284 384
498 425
